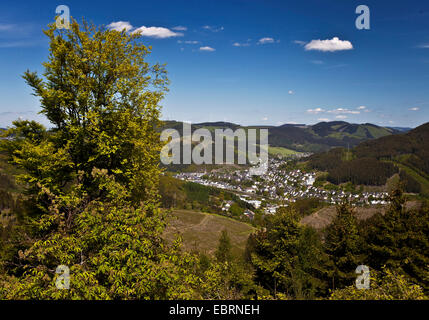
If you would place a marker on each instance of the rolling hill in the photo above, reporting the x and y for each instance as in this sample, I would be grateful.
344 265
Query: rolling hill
374 161
305 138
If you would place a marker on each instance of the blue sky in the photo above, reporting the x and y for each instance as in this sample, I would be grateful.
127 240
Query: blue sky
250 61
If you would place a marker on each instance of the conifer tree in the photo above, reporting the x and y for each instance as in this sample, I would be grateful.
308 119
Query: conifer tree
288 258
344 246
223 252
399 240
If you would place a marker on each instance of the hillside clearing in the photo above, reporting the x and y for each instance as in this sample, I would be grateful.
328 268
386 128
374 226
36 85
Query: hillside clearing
280 151
201 231
323 217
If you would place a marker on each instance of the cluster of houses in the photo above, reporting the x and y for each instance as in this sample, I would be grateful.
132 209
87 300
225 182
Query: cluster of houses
290 185
200 178
278 186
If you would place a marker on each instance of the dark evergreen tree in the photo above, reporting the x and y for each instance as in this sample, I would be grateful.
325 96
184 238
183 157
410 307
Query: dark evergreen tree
288 258
223 252
399 240
344 247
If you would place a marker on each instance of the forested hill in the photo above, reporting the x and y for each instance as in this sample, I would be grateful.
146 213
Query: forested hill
308 138
373 161
415 143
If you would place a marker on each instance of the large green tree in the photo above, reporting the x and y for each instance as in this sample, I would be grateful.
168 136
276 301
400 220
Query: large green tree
344 245
399 240
102 98
223 252
92 179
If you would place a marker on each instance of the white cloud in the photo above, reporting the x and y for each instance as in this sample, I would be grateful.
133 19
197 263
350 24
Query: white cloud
207 48
120 25
323 119
343 111
423 46
180 28
266 40
363 108
331 45
238 44
315 111
414 109
213 29
301 43
157 32
291 92
152 32
319 62
338 111
341 117
264 119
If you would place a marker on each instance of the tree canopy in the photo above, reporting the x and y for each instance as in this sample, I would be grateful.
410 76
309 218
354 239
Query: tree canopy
91 180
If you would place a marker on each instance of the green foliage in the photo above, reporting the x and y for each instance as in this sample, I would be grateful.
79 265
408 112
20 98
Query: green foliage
387 285
102 98
344 246
93 178
287 140
374 161
226 276
171 192
197 192
113 250
92 197
179 194
287 257
229 281
282 152
223 252
410 184
307 206
236 210
367 171
399 240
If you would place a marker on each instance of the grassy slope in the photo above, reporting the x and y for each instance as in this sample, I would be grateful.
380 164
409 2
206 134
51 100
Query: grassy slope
324 217
284 152
201 231
378 132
